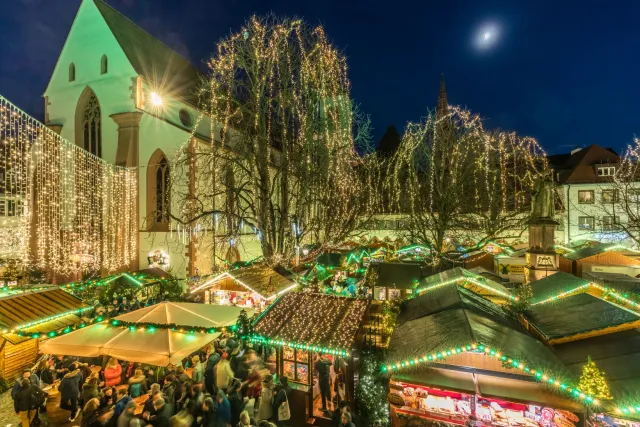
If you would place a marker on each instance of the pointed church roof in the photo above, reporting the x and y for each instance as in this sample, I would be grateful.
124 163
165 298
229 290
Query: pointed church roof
443 105
150 57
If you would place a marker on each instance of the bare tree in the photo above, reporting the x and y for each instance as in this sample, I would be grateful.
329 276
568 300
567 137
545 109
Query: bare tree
281 161
456 181
616 211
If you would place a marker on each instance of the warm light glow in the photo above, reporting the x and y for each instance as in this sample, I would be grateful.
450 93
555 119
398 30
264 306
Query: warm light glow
156 100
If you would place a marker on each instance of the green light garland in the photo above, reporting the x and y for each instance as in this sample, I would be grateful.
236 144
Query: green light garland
412 248
607 292
47 319
465 279
486 350
264 340
151 327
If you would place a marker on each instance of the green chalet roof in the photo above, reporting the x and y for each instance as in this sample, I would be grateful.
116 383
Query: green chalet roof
452 317
576 314
555 285
150 57
615 354
398 275
588 251
459 275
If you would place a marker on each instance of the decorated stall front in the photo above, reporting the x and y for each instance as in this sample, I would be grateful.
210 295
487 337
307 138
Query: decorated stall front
254 286
158 335
299 332
394 280
456 358
30 316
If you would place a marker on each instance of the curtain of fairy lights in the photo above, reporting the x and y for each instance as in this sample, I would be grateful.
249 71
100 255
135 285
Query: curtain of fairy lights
64 209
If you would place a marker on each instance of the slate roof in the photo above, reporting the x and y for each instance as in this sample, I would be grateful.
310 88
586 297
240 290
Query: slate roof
313 319
577 314
151 58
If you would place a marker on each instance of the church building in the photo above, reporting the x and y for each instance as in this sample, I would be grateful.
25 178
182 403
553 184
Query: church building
129 99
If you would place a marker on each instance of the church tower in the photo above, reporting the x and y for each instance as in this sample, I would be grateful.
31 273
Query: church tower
541 257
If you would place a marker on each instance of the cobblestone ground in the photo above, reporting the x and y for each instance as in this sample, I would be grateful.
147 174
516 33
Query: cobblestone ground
53 417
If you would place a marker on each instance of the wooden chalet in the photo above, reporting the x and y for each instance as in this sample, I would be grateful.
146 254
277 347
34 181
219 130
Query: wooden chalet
599 257
300 327
33 313
258 282
455 357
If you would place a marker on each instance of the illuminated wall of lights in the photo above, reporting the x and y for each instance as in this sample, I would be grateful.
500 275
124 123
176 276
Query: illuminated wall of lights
75 210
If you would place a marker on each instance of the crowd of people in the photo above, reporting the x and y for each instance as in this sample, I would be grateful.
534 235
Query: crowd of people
229 385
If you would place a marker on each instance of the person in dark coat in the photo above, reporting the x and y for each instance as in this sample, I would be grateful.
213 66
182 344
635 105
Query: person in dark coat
162 415
208 413
210 372
91 414
236 401
23 403
108 398
283 391
322 367
70 391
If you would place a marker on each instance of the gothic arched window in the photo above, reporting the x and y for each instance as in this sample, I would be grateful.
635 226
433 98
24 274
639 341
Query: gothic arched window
104 64
72 72
162 192
91 132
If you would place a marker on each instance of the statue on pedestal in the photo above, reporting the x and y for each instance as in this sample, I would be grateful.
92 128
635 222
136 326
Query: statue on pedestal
543 203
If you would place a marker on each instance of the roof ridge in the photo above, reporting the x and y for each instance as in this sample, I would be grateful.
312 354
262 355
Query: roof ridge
138 27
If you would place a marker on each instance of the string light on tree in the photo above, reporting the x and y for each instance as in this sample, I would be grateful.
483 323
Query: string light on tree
593 381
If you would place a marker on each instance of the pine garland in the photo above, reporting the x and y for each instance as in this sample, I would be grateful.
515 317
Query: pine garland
150 326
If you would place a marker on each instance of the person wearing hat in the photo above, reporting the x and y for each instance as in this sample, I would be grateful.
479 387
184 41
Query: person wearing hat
129 412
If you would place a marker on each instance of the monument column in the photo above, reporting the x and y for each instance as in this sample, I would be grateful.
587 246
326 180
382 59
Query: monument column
541 257
128 155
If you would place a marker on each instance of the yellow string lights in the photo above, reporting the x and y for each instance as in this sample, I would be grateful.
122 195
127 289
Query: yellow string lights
457 181
282 137
308 319
73 210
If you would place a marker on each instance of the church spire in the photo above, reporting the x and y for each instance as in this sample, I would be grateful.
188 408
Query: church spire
443 105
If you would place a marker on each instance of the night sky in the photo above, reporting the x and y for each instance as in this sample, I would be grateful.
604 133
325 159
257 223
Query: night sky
566 75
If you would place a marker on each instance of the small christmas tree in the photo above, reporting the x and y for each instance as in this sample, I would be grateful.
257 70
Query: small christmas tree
244 328
593 381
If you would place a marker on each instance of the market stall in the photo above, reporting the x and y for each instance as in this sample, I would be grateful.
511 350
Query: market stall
27 317
158 335
436 395
301 329
458 358
252 286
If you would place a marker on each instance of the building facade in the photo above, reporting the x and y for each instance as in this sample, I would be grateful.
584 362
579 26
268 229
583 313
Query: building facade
584 179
